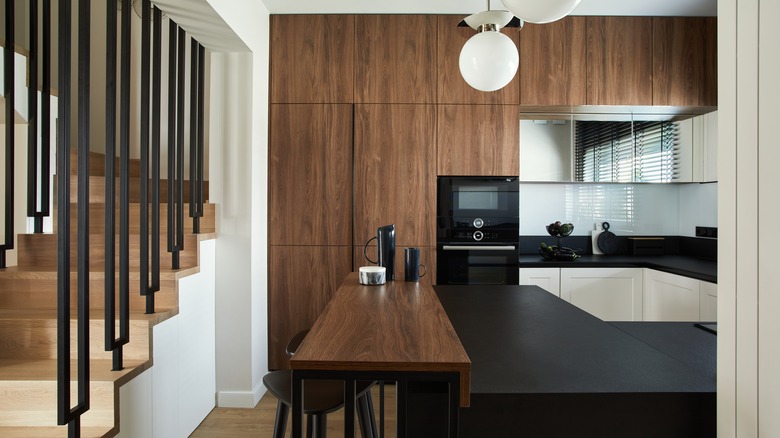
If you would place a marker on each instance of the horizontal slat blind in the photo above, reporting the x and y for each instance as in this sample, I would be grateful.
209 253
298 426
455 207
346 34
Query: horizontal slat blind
643 151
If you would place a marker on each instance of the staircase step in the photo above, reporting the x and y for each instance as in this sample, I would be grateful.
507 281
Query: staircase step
97 190
97 220
97 163
33 335
51 432
25 289
40 250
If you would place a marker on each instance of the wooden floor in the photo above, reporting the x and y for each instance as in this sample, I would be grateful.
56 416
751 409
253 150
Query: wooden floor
259 421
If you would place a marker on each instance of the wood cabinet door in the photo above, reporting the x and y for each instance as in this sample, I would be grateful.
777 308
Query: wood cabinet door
452 88
310 167
302 280
312 58
685 61
552 63
619 60
478 140
395 174
395 59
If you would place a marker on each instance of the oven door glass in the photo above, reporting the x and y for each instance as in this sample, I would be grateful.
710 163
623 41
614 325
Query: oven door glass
488 264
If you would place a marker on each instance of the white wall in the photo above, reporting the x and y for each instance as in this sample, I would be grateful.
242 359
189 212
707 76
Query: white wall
170 399
631 209
239 175
748 208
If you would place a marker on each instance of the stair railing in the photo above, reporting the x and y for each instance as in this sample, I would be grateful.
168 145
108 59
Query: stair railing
8 237
196 133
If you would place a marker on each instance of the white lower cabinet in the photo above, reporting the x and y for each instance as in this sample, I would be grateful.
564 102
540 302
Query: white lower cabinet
708 300
548 279
612 294
670 297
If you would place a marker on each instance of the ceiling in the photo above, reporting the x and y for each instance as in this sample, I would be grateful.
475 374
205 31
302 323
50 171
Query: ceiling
588 7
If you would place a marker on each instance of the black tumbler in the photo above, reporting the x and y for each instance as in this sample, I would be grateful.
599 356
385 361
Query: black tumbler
412 264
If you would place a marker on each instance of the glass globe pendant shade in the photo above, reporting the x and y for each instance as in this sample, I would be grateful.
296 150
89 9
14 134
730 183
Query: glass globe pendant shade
541 11
488 61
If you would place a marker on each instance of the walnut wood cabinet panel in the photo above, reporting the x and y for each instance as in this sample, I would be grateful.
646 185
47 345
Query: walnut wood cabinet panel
552 63
452 88
302 279
310 200
395 59
427 258
395 173
685 64
312 58
478 140
619 60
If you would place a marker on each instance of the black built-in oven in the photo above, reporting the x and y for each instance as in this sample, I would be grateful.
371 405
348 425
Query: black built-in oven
477 230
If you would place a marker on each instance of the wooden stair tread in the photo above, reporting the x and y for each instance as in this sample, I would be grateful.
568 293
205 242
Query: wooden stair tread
40 314
46 369
51 431
47 273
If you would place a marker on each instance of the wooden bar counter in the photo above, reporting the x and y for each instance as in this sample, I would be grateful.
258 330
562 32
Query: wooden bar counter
398 327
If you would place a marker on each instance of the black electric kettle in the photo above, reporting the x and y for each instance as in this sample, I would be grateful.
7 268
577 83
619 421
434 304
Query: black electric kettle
385 249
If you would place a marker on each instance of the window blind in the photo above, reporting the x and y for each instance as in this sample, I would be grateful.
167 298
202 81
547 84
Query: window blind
640 151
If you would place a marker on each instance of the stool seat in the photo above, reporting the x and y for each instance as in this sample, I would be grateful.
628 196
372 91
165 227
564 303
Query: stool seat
320 396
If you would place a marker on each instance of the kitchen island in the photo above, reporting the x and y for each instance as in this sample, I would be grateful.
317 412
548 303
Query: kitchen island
541 367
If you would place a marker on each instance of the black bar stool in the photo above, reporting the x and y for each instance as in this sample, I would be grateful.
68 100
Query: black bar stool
320 397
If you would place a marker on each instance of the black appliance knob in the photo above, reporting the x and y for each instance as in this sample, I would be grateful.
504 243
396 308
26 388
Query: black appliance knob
478 235
478 223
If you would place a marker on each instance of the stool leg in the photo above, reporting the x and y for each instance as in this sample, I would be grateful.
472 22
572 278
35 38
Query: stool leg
371 415
320 425
366 416
309 426
280 424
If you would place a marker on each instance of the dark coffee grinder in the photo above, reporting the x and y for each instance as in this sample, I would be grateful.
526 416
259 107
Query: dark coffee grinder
385 248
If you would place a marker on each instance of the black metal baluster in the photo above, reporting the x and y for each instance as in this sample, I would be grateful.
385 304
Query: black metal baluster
32 120
45 168
83 209
180 148
8 238
124 184
172 33
156 104
194 99
109 214
144 205
63 217
201 106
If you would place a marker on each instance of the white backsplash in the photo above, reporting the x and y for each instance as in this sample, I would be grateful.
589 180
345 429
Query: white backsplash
630 209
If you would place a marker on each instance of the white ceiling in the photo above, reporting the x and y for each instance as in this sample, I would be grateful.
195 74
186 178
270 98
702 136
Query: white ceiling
588 7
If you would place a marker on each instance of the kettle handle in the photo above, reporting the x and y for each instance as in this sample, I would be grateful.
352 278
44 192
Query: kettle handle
366 247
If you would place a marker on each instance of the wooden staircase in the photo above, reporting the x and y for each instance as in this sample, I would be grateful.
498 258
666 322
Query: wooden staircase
28 320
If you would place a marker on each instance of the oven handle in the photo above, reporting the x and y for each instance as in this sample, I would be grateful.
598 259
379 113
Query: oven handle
478 248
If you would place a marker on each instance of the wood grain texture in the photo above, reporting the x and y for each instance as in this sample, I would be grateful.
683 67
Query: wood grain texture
478 140
552 63
398 326
427 258
452 88
395 174
619 60
302 279
310 179
312 58
395 59
685 67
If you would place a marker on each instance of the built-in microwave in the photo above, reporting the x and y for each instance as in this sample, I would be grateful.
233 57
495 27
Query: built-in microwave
464 196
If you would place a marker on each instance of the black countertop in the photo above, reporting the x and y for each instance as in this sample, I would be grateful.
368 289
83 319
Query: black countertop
537 359
693 267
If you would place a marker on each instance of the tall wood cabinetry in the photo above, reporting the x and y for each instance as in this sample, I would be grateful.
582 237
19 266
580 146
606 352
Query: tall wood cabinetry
552 63
620 60
395 176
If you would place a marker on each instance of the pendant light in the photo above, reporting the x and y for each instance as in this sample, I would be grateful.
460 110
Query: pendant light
541 11
489 59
